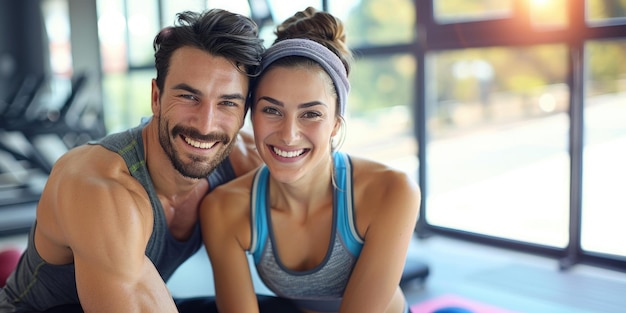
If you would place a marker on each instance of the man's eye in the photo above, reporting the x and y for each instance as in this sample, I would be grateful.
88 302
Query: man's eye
229 103
188 97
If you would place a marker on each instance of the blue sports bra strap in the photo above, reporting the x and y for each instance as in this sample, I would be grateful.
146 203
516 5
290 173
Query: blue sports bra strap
258 214
344 204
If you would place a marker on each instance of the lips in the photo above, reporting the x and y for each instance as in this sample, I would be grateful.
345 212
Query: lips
198 140
199 144
288 154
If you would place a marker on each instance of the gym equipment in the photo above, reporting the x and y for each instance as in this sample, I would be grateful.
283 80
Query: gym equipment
40 120
8 261
415 273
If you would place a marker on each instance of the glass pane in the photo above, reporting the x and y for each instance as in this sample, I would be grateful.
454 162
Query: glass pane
173 7
281 9
376 22
126 98
604 205
379 119
55 13
112 34
143 25
606 11
455 11
236 6
279 12
549 14
498 152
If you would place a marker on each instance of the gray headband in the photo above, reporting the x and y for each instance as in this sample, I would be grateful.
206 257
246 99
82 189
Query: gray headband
318 53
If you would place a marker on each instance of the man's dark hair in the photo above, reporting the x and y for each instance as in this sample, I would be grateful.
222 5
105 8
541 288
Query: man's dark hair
216 31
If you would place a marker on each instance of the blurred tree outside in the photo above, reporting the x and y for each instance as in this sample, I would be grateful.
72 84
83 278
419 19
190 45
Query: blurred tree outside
381 82
607 67
463 10
381 22
379 118
387 82
605 9
518 70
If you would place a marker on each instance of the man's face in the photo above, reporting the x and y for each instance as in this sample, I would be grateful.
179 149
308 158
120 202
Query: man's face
199 111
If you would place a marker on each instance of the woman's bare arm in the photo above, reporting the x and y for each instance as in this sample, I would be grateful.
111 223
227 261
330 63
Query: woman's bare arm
225 223
392 201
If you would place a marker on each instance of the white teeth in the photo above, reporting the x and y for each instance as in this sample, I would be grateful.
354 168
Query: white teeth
288 154
198 144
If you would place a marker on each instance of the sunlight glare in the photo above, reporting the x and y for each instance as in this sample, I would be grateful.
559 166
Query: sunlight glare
538 4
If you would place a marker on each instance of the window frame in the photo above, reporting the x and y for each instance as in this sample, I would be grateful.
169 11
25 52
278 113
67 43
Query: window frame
433 36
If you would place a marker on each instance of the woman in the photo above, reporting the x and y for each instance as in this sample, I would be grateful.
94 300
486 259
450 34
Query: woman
327 231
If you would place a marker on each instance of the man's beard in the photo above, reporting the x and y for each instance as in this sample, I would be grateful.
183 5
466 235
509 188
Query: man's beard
199 167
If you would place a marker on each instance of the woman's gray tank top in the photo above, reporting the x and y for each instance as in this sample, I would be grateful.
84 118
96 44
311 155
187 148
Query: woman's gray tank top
321 288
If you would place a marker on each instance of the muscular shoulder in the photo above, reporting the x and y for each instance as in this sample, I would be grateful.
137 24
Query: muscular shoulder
91 186
91 166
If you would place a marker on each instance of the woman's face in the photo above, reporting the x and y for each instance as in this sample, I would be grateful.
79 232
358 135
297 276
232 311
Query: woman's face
293 120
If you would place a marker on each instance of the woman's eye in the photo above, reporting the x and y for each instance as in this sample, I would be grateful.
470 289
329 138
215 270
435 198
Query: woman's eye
270 110
311 115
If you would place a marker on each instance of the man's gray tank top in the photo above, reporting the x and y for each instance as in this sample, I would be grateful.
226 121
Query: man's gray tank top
36 285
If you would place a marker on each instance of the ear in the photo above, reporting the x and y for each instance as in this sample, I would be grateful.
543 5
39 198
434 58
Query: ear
155 98
337 126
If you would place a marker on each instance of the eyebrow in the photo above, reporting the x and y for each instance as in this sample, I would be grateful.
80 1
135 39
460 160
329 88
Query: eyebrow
185 87
300 106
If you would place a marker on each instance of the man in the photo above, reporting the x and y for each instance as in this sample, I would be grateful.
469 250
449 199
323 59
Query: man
117 217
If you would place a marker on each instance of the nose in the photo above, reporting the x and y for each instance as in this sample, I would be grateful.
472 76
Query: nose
204 117
290 130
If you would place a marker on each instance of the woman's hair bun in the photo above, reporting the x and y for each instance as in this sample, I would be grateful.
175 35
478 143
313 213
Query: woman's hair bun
318 26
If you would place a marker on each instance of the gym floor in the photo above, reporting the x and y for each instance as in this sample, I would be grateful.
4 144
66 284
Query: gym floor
515 281
507 279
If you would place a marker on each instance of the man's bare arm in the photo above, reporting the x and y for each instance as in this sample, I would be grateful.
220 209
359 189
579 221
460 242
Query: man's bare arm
106 220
